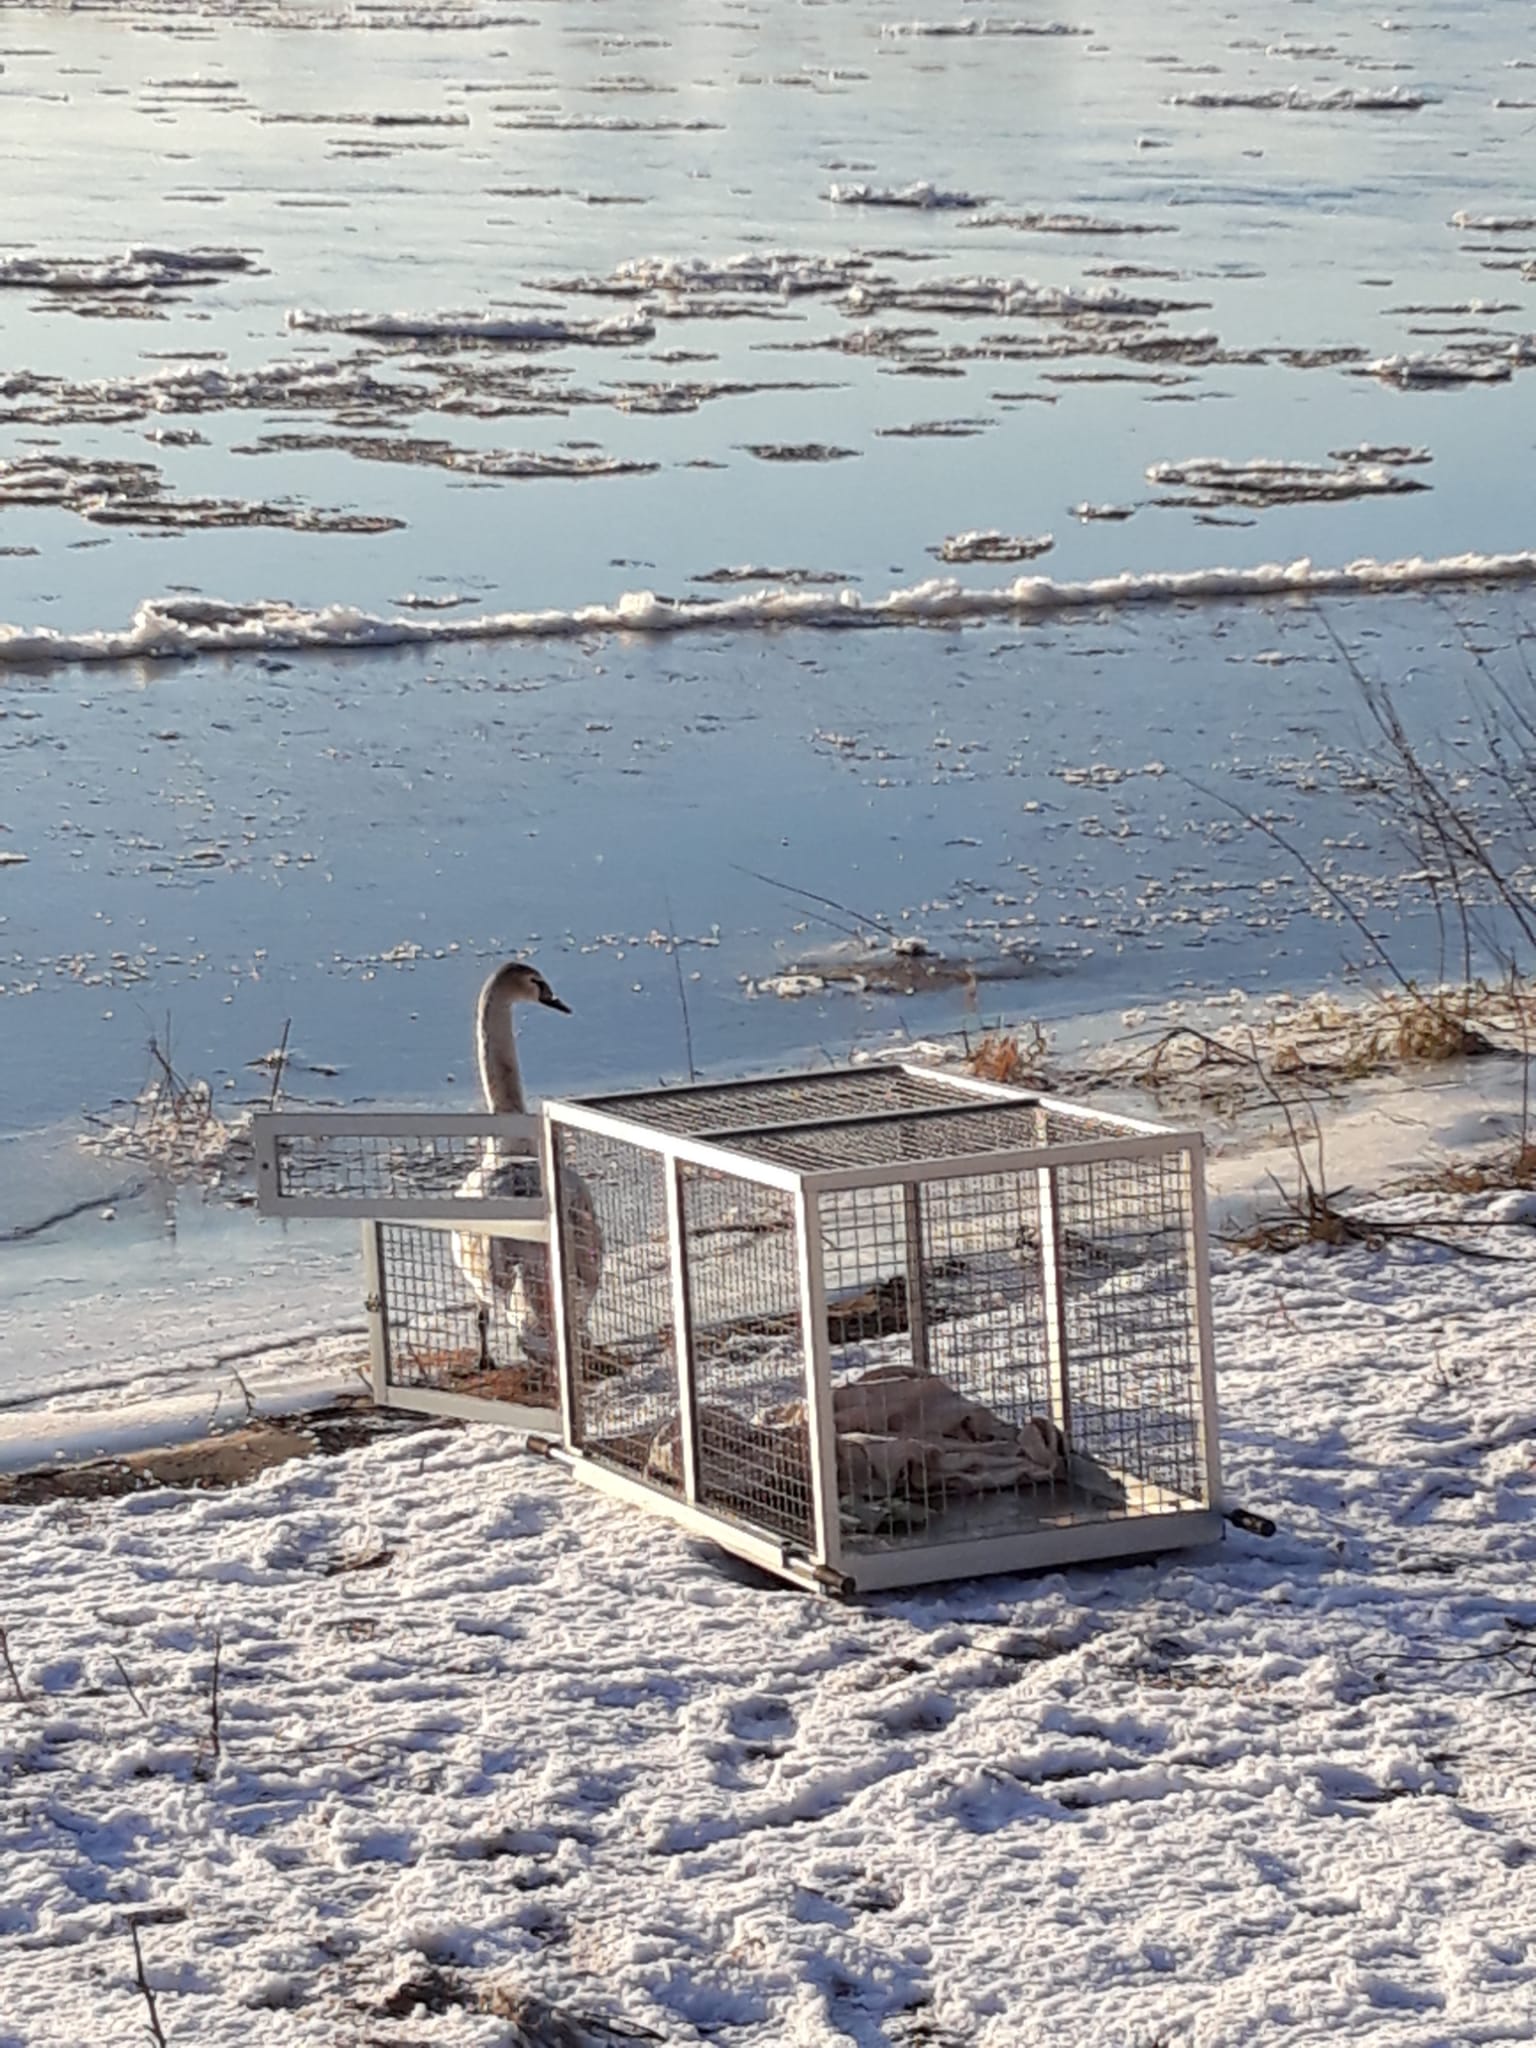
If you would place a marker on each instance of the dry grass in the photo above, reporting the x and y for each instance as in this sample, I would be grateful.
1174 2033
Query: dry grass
1514 1167
1328 1044
173 1126
1427 1028
1309 1217
1011 1058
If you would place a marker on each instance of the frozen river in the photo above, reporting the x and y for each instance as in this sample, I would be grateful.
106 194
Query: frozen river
314 316
571 299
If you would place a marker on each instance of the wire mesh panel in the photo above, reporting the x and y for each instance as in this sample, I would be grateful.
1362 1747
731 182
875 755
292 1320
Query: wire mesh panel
445 1330
318 1163
879 1328
714 1109
741 1260
617 1275
1129 1327
941 1391
946 1130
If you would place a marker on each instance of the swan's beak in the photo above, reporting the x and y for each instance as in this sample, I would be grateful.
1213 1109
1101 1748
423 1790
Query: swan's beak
552 1002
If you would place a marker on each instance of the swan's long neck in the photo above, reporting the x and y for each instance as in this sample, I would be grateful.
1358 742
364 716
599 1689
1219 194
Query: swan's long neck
501 1078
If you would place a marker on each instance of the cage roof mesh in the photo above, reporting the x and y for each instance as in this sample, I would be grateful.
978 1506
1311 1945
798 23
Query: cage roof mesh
860 1116
719 1106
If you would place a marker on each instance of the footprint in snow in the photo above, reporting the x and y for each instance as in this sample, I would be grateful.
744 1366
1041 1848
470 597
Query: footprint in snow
762 1720
920 1713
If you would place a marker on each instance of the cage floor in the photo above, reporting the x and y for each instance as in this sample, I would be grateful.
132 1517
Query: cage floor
982 1517
524 1384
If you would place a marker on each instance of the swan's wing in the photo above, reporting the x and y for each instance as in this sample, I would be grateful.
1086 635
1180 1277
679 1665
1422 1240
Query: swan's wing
586 1233
498 1174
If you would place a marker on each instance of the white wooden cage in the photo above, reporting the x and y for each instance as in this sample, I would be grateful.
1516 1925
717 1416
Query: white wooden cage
866 1327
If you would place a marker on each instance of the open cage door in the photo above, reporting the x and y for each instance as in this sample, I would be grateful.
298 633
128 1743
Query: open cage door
455 1250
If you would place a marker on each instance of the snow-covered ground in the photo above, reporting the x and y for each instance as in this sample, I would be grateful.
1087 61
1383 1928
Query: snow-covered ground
479 1727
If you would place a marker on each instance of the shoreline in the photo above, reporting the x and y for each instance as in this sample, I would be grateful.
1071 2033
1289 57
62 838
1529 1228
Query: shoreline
219 1459
1313 1083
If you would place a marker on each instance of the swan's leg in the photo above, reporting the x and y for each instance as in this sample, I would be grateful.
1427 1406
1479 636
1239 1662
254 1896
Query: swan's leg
537 1335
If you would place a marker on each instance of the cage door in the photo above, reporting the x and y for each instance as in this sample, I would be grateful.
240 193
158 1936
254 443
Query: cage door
399 1163
459 1323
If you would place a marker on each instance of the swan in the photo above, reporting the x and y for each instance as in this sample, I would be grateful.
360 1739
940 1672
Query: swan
498 1268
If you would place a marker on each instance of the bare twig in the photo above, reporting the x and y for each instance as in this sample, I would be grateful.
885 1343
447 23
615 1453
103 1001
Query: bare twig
5 1655
214 1741
1434 807
1313 874
829 903
156 2031
280 1064
682 993
21 1231
128 1685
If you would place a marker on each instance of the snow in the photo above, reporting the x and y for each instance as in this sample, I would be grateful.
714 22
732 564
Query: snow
480 1727
177 627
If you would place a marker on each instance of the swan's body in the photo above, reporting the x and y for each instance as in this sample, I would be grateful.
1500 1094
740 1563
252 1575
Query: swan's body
500 1268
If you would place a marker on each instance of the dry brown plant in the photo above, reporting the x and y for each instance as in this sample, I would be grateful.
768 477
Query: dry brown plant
1012 1058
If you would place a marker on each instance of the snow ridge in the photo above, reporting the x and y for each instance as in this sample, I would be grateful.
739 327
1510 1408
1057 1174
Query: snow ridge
170 627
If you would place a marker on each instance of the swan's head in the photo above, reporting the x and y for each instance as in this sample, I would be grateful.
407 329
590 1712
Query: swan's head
516 982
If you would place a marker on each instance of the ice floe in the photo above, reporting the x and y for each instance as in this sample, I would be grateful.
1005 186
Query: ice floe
748 573
775 271
689 396
487 462
378 118
920 196
135 270
1014 297
935 430
1262 481
1071 224
1495 223
1396 452
537 331
1387 99
616 124
973 25
986 544
35 397
797 451
1426 369
181 627
115 493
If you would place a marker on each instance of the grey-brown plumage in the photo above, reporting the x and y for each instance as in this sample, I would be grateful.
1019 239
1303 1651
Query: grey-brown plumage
500 1269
